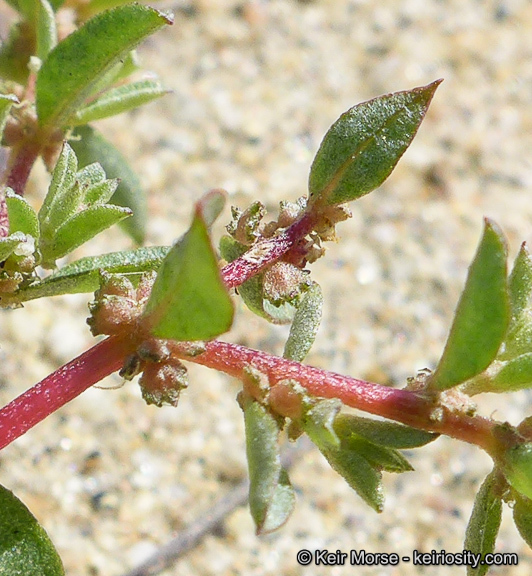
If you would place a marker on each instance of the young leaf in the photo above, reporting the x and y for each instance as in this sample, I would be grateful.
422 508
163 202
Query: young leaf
6 101
63 178
46 29
517 467
523 517
382 432
69 74
25 548
9 244
83 275
271 497
22 217
90 146
189 300
484 524
305 324
118 100
512 375
362 147
520 284
482 315
80 228
378 456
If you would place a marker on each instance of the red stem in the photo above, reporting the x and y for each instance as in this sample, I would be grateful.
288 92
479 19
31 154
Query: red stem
410 408
60 387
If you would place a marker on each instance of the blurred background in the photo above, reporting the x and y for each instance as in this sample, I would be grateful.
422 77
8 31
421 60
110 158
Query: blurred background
256 84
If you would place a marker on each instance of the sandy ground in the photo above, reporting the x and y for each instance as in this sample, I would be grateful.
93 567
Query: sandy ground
255 86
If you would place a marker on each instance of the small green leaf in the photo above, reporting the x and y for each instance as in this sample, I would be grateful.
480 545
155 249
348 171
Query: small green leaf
46 29
271 497
484 524
378 456
520 284
69 74
211 205
362 147
63 178
189 300
118 100
25 548
482 315
83 275
523 517
510 376
101 193
382 432
90 146
318 422
517 467
22 217
6 101
305 324
80 228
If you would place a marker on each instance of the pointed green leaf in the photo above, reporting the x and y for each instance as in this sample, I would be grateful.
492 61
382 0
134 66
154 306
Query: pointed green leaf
25 548
523 518
305 325
509 376
362 147
22 217
482 315
484 524
189 300
6 101
90 146
63 178
382 432
211 205
101 193
118 100
520 283
318 422
80 228
46 29
271 497
67 77
517 467
9 244
90 175
378 456
83 275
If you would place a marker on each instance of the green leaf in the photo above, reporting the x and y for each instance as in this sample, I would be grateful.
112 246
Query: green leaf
520 284
69 74
510 376
22 217
118 100
6 101
482 315
211 205
46 29
362 147
305 324
382 432
517 467
378 456
271 497
90 146
83 275
63 179
484 524
523 517
25 548
80 228
189 300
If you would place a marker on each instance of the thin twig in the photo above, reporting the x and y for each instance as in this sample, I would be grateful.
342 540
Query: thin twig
188 539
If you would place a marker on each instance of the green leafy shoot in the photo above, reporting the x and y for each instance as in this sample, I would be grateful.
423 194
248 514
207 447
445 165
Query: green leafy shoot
75 208
484 524
25 548
362 147
271 497
46 28
70 73
119 100
6 101
22 217
189 300
482 315
90 146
